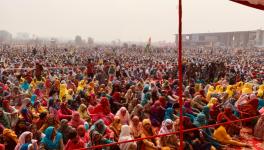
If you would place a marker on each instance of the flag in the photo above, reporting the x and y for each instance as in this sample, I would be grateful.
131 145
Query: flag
258 4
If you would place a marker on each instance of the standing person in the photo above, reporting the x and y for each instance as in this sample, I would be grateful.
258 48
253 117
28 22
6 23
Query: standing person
111 72
90 69
38 70
34 51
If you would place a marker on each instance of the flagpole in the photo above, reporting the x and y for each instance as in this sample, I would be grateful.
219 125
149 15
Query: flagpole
180 71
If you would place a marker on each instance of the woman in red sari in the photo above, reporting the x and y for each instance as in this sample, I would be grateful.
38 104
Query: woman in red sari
76 120
64 112
84 135
248 109
102 111
227 114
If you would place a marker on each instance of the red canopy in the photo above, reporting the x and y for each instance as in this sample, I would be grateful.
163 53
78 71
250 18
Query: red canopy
259 4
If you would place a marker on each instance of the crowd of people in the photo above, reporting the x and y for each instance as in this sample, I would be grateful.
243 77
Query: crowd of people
63 99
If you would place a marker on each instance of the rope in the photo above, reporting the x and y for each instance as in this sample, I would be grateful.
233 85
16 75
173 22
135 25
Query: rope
43 67
172 133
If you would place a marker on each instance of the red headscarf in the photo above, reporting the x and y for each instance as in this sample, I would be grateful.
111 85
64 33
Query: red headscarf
105 105
102 108
187 123
162 101
227 115
76 120
6 106
104 101
64 109
38 93
83 134
116 97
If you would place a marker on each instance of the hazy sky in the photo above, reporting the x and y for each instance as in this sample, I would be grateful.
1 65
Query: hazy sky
134 20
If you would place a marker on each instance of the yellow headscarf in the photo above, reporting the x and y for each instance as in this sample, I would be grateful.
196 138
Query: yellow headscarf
82 110
212 102
69 94
197 87
33 84
219 89
22 80
81 85
90 90
239 86
40 109
210 91
229 91
146 121
92 84
261 90
10 133
63 91
247 88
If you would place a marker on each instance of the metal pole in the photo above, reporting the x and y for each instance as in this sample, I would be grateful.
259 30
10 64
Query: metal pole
180 71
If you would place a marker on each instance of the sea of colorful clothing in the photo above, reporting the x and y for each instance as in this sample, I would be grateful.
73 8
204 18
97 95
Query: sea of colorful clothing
49 112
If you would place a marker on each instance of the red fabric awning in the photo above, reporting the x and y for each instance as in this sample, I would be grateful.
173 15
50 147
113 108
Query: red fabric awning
258 4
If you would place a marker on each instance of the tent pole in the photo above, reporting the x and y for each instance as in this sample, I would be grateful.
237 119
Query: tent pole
180 71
